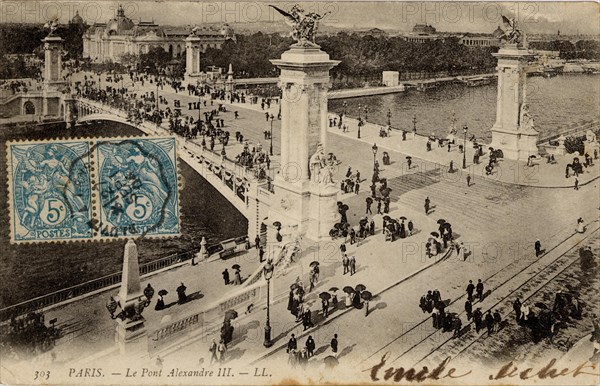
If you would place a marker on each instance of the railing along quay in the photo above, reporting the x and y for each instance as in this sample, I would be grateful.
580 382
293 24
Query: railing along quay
89 286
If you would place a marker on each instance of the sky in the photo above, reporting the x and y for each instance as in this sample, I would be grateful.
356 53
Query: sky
483 16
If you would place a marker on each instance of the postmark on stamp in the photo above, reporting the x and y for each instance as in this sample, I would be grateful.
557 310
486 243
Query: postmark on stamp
138 187
96 189
50 187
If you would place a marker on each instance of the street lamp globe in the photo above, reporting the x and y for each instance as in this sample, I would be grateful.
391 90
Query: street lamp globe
268 270
374 148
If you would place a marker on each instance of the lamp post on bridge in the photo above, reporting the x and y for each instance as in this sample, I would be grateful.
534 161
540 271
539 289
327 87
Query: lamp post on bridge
414 124
389 117
366 113
345 104
464 165
268 273
271 135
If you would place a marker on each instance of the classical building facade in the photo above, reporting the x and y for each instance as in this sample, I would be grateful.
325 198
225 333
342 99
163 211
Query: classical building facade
104 42
423 32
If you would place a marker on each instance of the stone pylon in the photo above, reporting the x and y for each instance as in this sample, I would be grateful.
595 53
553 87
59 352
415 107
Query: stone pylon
301 201
229 85
53 81
192 58
131 332
513 132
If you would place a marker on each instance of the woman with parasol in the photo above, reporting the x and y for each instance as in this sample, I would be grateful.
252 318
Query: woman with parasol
325 296
402 227
160 304
334 299
237 274
349 292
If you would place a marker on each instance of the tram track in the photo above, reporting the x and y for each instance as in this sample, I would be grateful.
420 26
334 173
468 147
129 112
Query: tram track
535 270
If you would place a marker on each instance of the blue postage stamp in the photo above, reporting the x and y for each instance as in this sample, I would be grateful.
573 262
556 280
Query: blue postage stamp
138 187
50 188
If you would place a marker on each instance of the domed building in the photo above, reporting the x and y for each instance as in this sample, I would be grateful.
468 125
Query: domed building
108 42
77 19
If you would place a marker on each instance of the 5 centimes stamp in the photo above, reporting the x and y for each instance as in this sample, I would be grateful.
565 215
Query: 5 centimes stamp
50 190
138 187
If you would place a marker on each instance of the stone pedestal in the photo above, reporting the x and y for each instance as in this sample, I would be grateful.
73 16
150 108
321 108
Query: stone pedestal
516 139
229 84
53 82
192 58
131 332
298 201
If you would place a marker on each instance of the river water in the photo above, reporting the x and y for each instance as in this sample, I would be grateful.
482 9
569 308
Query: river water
28 271
553 102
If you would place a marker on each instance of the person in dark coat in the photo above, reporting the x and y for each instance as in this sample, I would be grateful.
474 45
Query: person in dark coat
427 202
457 325
410 228
310 346
292 344
497 320
261 254
356 299
469 309
307 319
436 296
478 319
334 343
181 294
470 289
538 248
517 309
489 322
226 276
160 304
149 292
479 289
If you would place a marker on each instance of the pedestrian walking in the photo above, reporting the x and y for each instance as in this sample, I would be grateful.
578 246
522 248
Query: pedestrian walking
379 206
334 343
478 319
470 289
576 183
517 309
310 346
292 344
469 309
427 202
410 227
479 289
182 297
352 263
356 187
257 241
346 263
489 322
226 276
237 277
369 202
457 325
261 254
538 248
468 180
497 320
325 307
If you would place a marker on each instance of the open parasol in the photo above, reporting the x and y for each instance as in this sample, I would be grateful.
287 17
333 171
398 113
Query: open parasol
387 218
408 157
435 234
403 218
360 287
366 295
162 292
277 224
541 305
334 289
235 266
325 295
441 221
349 290
314 263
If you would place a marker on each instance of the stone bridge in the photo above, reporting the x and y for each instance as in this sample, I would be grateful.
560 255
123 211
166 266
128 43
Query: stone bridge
236 183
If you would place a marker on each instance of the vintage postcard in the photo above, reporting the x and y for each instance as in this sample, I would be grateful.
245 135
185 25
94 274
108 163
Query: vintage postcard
273 193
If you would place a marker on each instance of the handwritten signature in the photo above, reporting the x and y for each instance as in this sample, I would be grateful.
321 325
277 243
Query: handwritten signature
442 370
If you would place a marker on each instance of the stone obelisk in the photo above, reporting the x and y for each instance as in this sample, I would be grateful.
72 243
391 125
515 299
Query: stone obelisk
131 332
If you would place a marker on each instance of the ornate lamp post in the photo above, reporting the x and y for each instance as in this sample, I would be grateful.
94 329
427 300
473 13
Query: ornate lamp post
374 148
465 129
359 109
268 273
345 104
360 123
389 117
366 113
414 124
271 135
